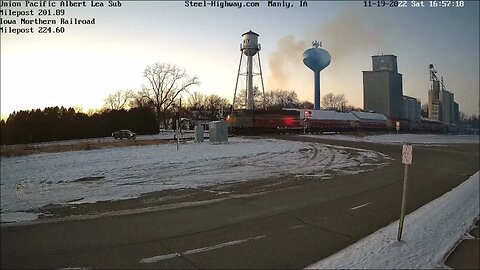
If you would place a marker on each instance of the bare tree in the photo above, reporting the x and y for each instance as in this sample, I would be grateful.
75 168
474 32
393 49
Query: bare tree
287 99
278 99
118 100
216 102
241 98
336 102
211 107
306 105
165 83
196 101
140 101
217 106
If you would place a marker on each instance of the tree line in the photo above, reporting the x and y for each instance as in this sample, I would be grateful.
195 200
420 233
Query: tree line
59 123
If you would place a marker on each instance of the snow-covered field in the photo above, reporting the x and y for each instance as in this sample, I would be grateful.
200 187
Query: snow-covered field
429 234
163 135
405 138
29 182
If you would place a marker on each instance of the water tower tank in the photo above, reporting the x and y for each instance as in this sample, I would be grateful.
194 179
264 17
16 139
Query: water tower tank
250 45
316 59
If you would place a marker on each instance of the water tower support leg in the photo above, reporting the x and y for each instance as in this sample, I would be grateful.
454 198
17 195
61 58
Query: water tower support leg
317 91
261 78
250 98
236 83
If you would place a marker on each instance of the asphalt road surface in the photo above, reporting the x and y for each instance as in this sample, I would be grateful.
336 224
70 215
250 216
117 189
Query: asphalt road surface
289 227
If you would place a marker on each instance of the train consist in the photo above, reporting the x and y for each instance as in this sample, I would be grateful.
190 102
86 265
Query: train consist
315 121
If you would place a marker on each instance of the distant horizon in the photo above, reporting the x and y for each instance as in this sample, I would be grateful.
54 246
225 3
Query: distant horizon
80 67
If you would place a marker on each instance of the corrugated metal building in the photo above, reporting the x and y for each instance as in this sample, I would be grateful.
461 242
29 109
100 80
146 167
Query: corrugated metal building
446 107
411 109
434 101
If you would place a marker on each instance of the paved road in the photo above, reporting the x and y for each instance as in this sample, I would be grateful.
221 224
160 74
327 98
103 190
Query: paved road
287 228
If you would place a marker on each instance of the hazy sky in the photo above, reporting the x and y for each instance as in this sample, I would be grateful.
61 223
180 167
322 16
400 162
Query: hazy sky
86 63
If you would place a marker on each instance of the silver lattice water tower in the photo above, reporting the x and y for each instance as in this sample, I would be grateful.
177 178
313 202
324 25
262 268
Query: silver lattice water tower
249 47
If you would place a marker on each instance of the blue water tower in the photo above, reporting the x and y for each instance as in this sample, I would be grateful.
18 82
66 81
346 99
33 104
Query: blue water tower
316 59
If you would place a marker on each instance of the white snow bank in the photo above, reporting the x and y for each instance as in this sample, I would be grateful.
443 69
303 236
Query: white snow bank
30 182
429 234
404 138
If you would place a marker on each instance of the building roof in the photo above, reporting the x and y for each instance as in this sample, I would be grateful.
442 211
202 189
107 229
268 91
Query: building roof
251 33
332 115
411 98
363 116
424 119
379 55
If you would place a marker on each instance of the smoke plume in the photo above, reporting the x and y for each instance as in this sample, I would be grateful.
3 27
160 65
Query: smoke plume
343 36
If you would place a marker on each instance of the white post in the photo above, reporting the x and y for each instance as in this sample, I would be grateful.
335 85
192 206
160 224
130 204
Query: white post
178 137
407 160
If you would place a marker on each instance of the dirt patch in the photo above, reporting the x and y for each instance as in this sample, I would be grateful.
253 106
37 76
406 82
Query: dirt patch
89 179
176 198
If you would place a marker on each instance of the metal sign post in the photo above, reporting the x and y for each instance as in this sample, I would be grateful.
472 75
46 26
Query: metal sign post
407 160
178 129
178 135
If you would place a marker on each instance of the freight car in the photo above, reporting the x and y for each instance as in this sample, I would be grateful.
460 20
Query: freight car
334 121
264 121
370 121
432 126
402 125
321 121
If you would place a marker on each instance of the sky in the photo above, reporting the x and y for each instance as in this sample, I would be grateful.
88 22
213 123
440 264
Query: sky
86 63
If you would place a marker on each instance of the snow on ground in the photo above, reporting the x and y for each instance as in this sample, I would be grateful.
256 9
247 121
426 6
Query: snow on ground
405 138
429 234
30 182
163 135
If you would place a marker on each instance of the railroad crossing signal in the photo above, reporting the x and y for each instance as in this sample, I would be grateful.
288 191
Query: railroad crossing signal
307 114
